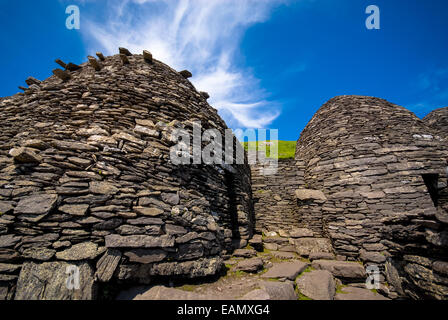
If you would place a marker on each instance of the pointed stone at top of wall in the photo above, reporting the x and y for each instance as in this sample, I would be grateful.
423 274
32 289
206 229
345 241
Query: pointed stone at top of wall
125 51
147 56
186 74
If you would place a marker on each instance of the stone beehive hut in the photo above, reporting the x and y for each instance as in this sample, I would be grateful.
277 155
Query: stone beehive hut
438 120
86 180
382 172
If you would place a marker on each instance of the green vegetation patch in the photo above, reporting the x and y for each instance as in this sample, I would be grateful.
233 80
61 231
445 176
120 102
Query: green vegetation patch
302 296
187 287
339 289
286 149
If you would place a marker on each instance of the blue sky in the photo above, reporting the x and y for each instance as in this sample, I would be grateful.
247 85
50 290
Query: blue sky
265 63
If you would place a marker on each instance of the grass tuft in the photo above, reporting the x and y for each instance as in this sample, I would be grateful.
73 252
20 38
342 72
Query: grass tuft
286 149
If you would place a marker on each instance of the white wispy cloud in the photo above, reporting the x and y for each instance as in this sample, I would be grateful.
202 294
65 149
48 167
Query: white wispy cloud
202 36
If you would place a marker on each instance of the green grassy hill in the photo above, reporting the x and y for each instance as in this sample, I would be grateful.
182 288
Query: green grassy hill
286 149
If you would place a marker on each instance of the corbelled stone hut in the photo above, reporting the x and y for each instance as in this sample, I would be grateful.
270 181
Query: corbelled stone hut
87 186
438 120
383 174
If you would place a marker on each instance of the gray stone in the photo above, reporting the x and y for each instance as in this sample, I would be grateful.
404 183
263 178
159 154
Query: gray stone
9 240
271 246
146 255
186 74
139 241
308 194
375 257
301 233
317 285
25 155
441 267
256 242
48 281
249 265
442 215
165 293
244 253
144 131
188 269
341 269
108 224
61 74
126 230
279 290
439 239
145 221
93 131
353 293
101 187
190 251
38 204
173 229
74 209
36 253
6 207
9 268
107 264
151 212
187 237
147 56
285 270
321 256
170 198
74 146
239 243
257 294
306 246
284 255
124 51
277 240
80 251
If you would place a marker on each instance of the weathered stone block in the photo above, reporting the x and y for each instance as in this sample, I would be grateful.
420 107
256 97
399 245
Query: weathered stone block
139 241
48 281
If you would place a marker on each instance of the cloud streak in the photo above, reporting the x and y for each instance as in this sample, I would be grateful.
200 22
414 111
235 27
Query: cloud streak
200 35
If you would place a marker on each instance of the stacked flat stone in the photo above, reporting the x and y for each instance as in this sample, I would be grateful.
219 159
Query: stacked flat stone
86 180
275 203
382 171
438 120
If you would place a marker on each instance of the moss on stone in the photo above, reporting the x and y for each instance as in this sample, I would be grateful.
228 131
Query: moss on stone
187 287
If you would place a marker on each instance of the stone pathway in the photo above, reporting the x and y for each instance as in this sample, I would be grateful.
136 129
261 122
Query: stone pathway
278 266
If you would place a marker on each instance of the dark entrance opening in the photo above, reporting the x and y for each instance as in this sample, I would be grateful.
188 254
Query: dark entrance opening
431 182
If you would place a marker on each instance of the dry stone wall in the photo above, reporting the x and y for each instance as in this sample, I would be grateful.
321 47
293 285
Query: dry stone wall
276 202
86 180
274 199
438 120
383 172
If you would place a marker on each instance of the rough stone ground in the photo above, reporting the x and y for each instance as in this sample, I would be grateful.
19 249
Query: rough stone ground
280 274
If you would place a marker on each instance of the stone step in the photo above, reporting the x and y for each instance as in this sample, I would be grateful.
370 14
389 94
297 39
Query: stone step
244 253
354 293
317 285
341 269
285 270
